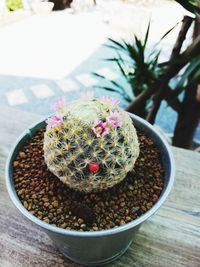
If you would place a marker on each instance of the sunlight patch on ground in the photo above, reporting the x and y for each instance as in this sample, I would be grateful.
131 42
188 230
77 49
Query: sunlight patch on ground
49 46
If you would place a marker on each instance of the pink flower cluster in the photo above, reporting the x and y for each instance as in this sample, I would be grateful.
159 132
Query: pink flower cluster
56 120
101 128
59 104
110 100
113 120
53 121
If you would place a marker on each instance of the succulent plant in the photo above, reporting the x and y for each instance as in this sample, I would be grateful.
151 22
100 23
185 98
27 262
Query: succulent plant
90 144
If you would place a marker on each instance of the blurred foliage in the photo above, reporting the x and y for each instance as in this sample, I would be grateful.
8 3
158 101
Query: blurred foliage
61 4
14 4
138 65
190 5
139 68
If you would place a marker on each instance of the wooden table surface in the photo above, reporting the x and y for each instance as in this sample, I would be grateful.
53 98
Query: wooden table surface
171 237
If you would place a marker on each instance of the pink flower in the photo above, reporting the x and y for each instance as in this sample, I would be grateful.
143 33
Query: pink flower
59 104
110 100
87 94
113 120
53 121
100 128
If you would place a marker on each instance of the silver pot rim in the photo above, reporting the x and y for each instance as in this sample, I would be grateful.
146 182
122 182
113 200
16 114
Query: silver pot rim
101 233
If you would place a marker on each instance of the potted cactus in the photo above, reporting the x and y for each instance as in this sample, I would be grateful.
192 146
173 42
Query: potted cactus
89 175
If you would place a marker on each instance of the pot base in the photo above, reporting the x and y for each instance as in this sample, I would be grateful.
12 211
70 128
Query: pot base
102 262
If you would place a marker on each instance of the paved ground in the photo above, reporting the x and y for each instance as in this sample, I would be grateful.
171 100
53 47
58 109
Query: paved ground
45 57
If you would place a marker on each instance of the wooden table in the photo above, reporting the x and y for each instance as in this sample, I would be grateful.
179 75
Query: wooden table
169 238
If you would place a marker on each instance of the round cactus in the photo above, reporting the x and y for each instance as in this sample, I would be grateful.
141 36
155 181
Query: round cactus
91 144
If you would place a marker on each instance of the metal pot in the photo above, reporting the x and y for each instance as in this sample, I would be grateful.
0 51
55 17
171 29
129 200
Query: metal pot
99 247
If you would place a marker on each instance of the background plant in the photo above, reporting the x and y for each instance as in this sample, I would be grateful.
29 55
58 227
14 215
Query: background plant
14 4
151 81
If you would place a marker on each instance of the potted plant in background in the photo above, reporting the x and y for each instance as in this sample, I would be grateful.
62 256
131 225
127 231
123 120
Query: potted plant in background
90 177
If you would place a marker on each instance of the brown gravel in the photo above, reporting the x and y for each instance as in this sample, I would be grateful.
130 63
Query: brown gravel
46 197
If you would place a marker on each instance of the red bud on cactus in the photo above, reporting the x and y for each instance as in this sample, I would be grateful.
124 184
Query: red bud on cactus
94 167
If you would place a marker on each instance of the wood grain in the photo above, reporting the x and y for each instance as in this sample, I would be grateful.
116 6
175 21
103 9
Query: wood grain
170 238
